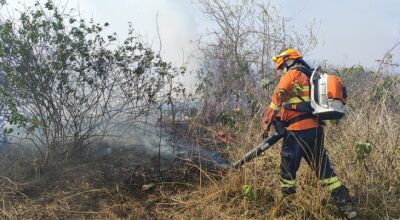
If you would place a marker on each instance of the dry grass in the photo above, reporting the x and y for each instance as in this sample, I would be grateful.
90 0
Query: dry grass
373 178
97 190
107 188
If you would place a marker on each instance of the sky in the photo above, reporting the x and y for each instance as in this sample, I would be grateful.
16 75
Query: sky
348 32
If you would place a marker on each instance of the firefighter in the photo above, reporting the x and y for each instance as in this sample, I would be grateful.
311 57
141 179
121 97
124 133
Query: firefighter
304 138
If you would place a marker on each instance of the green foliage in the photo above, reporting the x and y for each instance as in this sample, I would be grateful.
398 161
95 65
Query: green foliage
383 90
355 78
236 95
236 111
362 150
264 84
248 193
64 77
148 186
355 70
226 119
254 105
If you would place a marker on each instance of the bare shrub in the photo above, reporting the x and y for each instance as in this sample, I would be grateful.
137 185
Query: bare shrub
236 71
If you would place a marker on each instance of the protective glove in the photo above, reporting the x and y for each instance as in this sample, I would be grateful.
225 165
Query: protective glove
280 126
267 121
266 130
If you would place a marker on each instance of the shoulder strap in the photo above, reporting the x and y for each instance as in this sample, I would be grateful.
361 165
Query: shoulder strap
303 69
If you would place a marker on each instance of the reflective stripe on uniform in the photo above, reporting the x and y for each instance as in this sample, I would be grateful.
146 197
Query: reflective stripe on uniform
274 107
287 183
297 100
281 92
330 180
334 186
331 183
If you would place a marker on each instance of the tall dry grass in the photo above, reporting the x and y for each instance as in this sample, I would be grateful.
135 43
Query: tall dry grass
364 149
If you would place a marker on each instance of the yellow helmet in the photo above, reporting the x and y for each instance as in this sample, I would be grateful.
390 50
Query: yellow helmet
289 54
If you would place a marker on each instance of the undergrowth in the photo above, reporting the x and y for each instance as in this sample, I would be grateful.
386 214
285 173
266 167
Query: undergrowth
363 148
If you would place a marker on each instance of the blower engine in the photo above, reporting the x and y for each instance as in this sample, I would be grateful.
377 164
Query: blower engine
328 95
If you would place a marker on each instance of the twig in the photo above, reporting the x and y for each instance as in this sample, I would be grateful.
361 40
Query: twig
387 54
201 171
158 34
178 201
9 180
88 191
83 165
80 212
160 142
176 183
5 213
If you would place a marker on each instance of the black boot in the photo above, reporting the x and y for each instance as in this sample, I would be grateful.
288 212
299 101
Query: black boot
288 194
341 198
288 191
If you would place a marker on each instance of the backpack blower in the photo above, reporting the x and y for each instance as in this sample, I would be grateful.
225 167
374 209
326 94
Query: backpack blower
328 97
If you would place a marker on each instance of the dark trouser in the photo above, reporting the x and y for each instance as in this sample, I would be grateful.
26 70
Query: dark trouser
307 144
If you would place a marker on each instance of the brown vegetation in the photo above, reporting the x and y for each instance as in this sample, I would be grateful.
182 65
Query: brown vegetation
234 83
364 148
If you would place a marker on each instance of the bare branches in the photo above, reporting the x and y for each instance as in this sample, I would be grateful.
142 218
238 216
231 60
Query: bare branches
238 50
385 56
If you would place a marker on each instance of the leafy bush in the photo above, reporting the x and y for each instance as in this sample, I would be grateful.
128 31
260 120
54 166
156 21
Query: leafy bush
248 193
65 80
362 150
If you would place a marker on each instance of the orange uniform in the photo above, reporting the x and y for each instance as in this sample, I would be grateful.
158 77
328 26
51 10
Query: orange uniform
292 84
291 100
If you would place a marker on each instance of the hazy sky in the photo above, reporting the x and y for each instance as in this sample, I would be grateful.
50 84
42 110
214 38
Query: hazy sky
349 31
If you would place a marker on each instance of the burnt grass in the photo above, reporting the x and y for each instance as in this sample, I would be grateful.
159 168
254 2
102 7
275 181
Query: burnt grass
128 183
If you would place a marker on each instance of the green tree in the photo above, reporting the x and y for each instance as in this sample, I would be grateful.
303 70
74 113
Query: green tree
66 80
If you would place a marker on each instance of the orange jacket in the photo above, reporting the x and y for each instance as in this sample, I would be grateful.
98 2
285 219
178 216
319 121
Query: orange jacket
292 84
